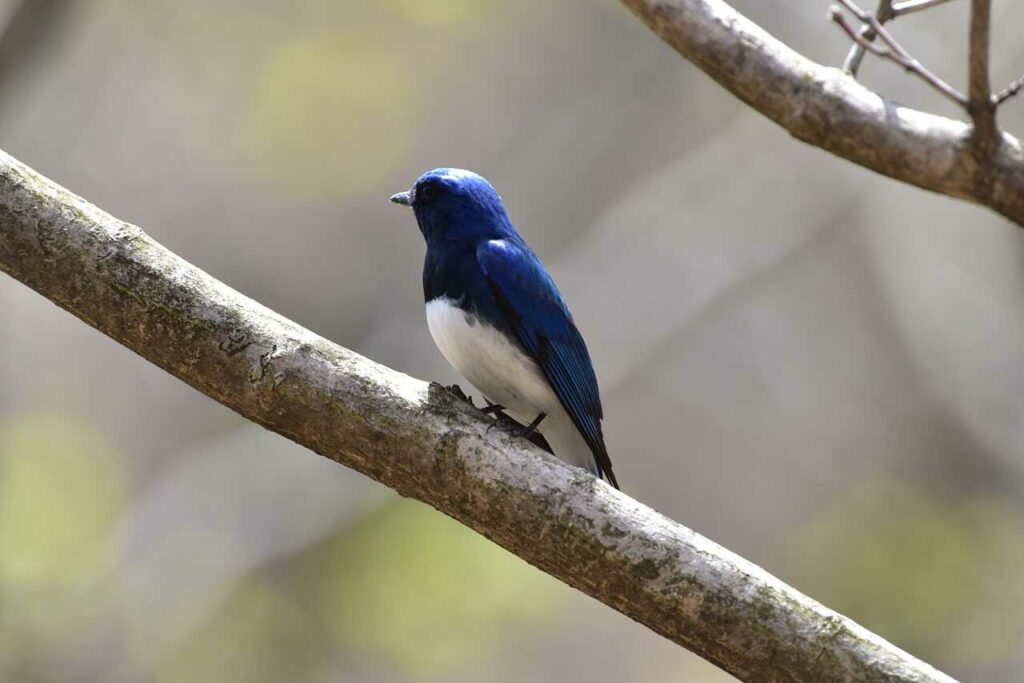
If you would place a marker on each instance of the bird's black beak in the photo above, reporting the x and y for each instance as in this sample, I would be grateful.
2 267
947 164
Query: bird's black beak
402 198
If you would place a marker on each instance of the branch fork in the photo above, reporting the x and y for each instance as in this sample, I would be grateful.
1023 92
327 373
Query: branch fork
979 102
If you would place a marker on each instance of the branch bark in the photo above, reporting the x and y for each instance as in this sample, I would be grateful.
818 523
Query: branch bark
825 107
981 104
418 440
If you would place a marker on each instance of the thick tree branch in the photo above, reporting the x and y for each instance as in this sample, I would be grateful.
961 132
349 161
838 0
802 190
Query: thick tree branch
827 108
424 444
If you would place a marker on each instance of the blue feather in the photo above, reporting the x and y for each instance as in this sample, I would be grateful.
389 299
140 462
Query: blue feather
533 309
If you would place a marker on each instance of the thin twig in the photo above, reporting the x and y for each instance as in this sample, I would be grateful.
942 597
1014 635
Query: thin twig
911 6
892 50
1009 91
981 104
886 12
857 51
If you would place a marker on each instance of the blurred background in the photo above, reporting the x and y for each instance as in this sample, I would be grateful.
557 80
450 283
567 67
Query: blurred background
817 367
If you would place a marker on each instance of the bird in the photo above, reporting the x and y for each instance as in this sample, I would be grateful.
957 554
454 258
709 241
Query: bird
498 318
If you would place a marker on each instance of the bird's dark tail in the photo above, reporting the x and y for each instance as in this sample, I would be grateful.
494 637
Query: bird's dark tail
610 478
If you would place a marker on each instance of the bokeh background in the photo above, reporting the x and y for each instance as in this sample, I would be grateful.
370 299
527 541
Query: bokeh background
817 367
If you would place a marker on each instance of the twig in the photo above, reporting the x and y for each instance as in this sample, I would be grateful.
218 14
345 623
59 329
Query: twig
1009 91
886 12
911 6
981 105
892 50
851 64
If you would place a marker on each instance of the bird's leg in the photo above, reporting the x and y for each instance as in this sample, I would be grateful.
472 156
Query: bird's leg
498 411
529 432
495 408
456 391
532 427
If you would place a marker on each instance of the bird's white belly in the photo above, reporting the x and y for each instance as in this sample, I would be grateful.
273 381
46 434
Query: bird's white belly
492 362
499 368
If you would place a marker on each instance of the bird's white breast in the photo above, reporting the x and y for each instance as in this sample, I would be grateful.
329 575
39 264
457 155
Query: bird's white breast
499 368
495 365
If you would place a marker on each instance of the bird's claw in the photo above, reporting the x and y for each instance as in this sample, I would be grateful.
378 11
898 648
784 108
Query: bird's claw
528 432
456 391
492 408
531 428
502 419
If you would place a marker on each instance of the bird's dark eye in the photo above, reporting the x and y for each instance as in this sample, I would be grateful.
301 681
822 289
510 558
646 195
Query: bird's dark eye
426 193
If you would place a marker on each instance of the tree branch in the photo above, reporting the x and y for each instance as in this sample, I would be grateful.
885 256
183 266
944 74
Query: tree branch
981 104
424 444
1009 91
827 108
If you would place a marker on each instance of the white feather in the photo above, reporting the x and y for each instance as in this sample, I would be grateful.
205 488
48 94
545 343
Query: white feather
499 368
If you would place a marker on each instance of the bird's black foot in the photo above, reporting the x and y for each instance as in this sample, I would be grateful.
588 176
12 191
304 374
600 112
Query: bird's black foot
529 432
456 391
493 408
538 440
531 428
501 419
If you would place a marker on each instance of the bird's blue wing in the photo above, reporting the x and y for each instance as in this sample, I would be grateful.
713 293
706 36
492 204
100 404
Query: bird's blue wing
534 312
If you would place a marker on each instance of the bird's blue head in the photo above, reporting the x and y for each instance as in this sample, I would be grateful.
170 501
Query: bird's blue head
454 205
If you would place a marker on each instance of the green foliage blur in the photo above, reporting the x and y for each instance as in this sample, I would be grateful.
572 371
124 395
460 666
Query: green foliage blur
936 575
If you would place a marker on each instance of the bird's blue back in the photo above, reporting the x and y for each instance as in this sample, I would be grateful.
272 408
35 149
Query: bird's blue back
475 257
